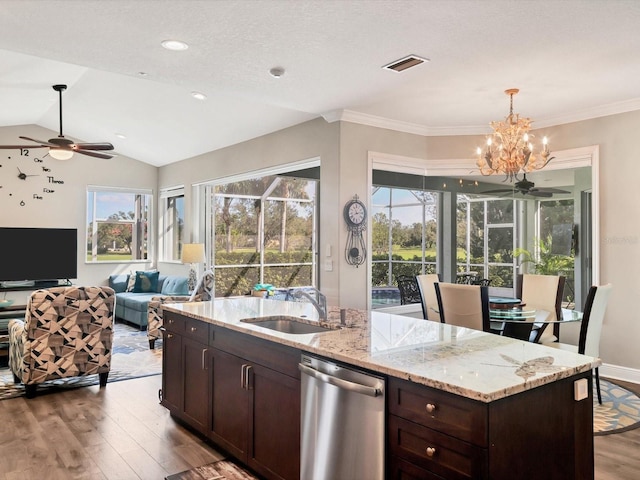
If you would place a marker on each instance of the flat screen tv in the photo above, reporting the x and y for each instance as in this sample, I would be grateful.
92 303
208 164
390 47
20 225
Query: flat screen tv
40 255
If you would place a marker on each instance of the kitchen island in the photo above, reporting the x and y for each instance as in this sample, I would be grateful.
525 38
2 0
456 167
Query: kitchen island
460 403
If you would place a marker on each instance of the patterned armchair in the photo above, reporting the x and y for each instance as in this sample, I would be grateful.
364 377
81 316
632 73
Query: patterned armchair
202 293
67 332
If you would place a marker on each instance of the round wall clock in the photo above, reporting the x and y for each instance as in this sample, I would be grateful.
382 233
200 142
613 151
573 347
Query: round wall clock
26 178
355 216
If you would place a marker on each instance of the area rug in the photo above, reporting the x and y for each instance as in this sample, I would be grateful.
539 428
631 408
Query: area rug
619 412
131 358
220 470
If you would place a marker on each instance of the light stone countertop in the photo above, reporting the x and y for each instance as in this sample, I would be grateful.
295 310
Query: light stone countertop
476 365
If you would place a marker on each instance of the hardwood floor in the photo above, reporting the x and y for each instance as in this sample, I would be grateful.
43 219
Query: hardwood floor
121 432
118 432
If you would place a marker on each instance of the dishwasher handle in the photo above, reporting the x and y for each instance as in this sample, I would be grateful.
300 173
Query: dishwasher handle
340 383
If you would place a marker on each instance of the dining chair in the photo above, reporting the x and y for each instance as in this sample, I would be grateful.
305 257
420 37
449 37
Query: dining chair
591 327
408 287
542 292
428 298
464 305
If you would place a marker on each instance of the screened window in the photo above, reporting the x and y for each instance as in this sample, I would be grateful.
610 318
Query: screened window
486 239
404 238
117 224
171 223
264 231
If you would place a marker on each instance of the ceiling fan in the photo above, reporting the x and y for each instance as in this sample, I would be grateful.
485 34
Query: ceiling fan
62 148
525 187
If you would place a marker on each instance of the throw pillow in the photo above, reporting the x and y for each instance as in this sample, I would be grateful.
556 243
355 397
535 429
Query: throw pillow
146 282
131 282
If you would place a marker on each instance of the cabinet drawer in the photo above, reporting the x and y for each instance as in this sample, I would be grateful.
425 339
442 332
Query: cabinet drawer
400 469
196 330
436 452
187 327
447 413
173 323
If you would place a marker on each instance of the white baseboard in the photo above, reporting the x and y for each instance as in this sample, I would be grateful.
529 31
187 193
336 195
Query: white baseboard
620 373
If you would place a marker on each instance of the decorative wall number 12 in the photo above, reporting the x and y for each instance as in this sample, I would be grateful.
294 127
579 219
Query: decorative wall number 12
355 216
36 180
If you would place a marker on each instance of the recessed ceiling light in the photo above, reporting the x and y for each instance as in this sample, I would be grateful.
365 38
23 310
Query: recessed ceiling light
198 95
175 45
121 135
276 72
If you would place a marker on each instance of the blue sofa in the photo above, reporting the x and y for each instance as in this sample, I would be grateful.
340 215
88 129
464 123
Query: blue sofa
132 307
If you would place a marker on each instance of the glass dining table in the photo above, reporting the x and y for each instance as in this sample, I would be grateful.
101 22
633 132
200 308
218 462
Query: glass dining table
509 317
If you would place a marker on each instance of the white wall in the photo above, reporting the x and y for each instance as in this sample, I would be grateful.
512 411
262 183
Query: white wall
66 207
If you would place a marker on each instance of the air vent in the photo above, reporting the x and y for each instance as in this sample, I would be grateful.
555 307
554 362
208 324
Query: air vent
404 63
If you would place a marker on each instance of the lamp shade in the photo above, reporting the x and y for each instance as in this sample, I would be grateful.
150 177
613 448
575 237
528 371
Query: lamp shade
193 253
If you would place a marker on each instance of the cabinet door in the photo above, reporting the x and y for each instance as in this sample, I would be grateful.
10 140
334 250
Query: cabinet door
274 423
196 384
230 404
172 372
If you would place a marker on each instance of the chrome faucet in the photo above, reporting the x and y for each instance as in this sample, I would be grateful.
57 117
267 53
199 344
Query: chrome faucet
320 304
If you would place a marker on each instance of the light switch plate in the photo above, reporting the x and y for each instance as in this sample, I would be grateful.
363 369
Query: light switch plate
328 265
580 389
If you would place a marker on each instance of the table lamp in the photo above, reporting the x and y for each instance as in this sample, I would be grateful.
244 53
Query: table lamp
193 253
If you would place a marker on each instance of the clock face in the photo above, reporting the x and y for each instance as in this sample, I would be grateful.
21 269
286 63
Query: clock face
26 178
355 213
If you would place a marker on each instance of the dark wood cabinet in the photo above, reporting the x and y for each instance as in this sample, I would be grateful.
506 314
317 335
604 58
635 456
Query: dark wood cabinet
185 382
241 392
542 433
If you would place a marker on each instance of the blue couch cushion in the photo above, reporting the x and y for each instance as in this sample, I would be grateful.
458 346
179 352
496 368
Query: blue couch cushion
135 301
146 282
175 285
119 282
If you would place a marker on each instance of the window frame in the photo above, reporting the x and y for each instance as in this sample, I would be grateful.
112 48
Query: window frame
90 257
169 241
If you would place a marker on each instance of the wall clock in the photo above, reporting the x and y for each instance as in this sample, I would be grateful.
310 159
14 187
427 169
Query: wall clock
355 216
26 178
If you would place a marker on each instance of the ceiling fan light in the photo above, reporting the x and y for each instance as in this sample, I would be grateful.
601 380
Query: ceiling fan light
60 154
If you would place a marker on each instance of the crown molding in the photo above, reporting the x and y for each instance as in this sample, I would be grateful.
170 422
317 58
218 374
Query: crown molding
417 129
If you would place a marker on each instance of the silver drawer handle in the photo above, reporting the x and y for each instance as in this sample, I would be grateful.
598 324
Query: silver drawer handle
430 407
431 451
193 329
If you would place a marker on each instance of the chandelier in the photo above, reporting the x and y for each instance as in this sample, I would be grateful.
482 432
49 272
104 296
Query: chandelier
509 150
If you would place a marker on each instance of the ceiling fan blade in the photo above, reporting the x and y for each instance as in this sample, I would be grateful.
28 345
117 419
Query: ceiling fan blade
19 147
549 190
89 153
42 142
93 146
539 193
501 190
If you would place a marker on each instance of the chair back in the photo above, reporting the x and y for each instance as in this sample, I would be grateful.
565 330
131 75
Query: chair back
464 305
428 298
542 292
68 331
408 287
592 319
204 289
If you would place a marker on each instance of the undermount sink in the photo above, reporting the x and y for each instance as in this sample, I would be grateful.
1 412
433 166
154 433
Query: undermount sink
293 325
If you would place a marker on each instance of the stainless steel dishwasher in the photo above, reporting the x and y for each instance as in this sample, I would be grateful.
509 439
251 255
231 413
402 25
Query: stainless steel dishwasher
342 422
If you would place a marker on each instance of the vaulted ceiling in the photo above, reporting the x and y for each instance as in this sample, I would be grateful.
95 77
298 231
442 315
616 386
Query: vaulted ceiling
571 59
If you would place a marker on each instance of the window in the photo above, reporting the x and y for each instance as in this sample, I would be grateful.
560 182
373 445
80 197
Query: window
171 225
263 230
486 237
404 237
117 224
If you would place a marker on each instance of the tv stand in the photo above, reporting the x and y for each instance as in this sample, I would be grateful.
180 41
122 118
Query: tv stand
33 285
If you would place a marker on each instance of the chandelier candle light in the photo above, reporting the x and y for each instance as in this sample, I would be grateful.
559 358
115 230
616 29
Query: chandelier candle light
193 253
509 150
